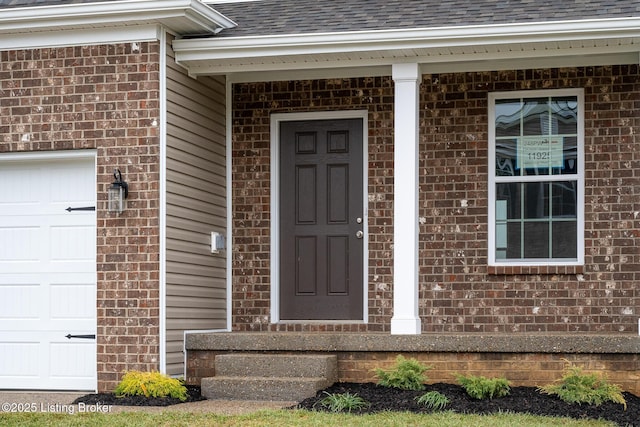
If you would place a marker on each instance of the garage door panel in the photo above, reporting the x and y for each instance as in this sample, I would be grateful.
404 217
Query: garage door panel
18 359
27 250
19 302
64 304
72 243
47 274
24 181
72 359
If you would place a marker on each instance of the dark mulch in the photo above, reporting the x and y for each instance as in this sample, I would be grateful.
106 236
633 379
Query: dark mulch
521 399
193 395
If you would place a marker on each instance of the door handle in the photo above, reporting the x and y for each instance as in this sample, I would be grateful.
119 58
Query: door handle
359 234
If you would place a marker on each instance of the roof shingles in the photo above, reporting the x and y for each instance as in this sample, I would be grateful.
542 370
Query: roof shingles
279 17
274 17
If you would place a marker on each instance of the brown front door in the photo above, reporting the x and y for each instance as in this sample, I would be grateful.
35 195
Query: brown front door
321 215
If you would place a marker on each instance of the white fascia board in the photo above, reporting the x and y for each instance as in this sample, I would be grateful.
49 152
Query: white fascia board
363 41
63 38
120 13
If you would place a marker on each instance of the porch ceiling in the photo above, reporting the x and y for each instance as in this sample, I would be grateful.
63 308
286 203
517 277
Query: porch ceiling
440 50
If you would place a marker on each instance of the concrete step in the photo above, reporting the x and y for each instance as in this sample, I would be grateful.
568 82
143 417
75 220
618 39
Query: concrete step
262 388
277 365
274 376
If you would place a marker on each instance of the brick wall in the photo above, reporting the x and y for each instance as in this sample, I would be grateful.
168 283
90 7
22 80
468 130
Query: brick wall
458 292
521 369
253 104
106 98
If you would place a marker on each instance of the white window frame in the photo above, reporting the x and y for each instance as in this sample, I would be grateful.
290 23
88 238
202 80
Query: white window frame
493 180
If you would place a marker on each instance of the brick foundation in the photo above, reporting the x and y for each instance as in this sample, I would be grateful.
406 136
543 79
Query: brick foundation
521 369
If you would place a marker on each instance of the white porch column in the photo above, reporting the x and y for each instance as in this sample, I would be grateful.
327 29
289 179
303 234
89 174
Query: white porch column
405 211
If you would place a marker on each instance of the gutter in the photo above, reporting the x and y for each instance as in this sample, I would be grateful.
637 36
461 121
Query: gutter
363 41
113 13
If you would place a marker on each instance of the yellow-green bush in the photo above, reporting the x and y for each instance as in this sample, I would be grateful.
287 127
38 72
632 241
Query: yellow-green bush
578 387
407 374
480 387
150 384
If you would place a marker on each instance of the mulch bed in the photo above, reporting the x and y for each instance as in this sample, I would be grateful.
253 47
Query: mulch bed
193 395
521 399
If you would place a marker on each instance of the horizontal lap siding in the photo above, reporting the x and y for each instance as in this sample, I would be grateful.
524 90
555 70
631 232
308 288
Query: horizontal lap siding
196 206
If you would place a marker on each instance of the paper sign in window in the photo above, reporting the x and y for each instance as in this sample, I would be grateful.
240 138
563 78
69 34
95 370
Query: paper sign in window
540 152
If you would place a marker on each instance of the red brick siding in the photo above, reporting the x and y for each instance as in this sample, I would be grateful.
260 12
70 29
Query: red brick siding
252 106
458 292
107 98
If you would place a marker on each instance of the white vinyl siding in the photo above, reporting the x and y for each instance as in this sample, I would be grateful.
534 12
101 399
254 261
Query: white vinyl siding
195 206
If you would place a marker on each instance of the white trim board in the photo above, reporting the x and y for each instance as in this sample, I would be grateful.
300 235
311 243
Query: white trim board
81 37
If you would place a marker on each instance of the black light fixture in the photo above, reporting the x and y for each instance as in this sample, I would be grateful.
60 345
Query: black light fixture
118 193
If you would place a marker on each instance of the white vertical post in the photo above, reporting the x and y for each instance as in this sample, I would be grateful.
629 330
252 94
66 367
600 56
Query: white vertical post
406 319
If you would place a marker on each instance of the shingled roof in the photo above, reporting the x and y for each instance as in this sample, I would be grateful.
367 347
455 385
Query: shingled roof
274 17
277 17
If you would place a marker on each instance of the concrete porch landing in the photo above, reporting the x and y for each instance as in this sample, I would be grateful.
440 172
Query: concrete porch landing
384 342
524 359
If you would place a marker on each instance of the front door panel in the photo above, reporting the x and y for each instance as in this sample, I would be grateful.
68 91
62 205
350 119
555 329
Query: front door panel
321 211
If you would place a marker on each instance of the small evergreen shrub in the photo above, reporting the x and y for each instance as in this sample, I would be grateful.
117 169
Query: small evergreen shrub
578 387
433 400
150 384
407 374
338 402
480 387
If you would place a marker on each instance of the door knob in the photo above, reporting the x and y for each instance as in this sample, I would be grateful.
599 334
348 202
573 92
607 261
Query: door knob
359 234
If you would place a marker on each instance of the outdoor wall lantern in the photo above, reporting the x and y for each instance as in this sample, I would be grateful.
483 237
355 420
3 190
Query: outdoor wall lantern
118 193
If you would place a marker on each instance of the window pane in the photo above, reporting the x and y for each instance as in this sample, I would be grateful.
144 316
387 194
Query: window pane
565 239
536 240
510 194
569 164
564 110
514 240
536 200
506 157
508 113
535 116
564 200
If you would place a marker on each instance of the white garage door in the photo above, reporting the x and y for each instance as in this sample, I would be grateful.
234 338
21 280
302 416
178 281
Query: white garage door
47 274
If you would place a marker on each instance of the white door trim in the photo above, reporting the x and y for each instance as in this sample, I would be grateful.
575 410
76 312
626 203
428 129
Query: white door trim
276 119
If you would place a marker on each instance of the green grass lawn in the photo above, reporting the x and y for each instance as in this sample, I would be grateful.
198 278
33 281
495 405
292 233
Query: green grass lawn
287 418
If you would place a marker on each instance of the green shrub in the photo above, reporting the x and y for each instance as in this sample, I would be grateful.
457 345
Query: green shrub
407 374
150 384
339 402
578 387
480 387
433 400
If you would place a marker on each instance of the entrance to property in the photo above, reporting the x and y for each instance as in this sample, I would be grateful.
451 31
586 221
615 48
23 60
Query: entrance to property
48 272
321 226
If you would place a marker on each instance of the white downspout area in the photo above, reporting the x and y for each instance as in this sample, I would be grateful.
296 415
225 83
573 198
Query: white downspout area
406 319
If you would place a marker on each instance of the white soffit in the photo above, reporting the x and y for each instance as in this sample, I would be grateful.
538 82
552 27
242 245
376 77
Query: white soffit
540 43
180 16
